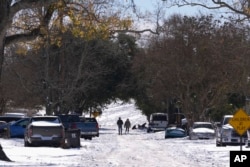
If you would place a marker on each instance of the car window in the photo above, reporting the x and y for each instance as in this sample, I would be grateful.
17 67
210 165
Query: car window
159 117
227 120
69 118
48 119
22 123
209 126
89 120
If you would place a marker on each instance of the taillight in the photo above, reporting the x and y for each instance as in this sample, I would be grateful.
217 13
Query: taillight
97 126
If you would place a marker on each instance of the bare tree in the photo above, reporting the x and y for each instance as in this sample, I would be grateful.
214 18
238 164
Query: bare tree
195 60
241 7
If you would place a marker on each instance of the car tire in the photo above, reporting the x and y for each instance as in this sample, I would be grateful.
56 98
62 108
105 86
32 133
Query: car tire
218 144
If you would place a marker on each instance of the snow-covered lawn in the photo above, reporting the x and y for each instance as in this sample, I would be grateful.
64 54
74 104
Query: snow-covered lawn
136 149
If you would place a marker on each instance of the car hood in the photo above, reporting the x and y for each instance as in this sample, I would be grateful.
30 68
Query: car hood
45 123
227 126
175 129
203 130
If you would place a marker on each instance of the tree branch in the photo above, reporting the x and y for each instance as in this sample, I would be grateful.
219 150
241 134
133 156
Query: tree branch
136 31
23 37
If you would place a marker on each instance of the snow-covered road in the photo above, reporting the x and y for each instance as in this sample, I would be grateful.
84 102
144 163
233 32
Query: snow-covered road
136 149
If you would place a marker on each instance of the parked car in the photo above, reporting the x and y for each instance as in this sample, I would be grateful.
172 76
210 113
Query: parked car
226 134
248 138
42 130
158 122
202 130
16 129
89 127
175 132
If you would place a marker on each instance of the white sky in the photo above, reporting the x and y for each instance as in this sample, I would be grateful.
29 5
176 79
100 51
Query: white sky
151 4
136 149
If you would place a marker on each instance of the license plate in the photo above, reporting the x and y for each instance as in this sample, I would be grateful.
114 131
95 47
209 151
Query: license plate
46 138
73 135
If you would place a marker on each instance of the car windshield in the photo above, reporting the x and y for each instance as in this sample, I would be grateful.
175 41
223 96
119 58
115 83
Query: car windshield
69 118
88 120
227 120
159 117
209 126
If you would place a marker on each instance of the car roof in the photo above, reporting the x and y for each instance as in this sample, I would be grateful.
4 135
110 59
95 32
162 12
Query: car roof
159 113
46 116
202 123
13 114
9 118
228 116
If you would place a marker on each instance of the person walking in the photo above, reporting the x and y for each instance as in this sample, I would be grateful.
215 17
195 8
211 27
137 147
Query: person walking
127 126
120 123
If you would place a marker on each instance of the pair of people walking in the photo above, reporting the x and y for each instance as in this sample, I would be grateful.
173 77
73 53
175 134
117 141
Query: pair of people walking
127 125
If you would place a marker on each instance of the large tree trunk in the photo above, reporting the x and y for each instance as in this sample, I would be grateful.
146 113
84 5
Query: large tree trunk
2 101
3 156
4 10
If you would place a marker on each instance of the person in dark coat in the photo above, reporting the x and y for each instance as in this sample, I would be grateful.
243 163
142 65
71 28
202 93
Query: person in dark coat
127 125
120 123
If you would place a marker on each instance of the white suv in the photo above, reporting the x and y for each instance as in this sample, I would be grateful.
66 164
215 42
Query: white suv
226 135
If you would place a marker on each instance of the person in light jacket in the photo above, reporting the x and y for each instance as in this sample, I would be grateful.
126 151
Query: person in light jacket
127 125
120 123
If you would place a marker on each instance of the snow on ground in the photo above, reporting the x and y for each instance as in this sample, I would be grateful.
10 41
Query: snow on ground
136 149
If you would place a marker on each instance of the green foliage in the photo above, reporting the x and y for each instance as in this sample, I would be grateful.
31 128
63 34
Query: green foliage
218 113
82 74
236 100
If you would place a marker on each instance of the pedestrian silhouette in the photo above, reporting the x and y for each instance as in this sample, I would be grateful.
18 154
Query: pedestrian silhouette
119 123
127 126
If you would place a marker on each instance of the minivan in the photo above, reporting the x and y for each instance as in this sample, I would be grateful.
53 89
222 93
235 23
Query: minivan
158 122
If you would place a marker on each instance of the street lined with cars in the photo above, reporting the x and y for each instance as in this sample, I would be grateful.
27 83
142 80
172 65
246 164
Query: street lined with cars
56 130
110 149
50 130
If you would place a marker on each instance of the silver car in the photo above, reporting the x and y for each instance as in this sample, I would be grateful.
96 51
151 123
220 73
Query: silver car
44 130
202 130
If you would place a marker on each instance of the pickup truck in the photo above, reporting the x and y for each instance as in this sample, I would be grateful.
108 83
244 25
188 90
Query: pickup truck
89 126
47 130
226 135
